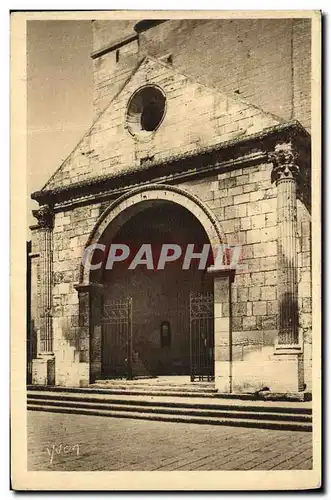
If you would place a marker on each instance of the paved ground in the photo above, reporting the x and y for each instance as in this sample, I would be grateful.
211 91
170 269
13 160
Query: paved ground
83 442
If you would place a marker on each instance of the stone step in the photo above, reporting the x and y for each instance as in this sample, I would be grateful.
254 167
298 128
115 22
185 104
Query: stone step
170 409
208 403
184 418
187 391
149 385
128 390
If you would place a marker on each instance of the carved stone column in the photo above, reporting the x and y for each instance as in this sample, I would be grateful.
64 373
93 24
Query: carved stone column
44 369
286 174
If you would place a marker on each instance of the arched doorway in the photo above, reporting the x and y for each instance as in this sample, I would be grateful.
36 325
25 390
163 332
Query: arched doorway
160 299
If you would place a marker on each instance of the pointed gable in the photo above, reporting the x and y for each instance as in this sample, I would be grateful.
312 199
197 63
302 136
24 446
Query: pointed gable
195 117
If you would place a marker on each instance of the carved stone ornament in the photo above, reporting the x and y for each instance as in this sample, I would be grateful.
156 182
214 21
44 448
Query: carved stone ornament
285 163
45 216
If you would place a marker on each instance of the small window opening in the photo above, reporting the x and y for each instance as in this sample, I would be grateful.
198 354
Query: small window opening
165 332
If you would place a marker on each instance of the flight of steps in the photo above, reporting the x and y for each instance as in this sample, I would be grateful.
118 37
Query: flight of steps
153 387
199 406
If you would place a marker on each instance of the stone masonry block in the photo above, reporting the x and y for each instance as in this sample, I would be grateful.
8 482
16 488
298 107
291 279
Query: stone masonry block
249 323
248 188
254 293
258 176
242 179
221 193
304 289
271 219
242 280
305 320
225 310
259 308
257 279
268 293
245 223
304 259
258 221
227 201
222 327
256 195
305 275
269 234
227 183
63 288
266 249
253 265
253 236
268 263
239 309
247 252
242 294
237 238
272 307
237 323
235 211
231 225
269 322
306 305
271 277
234 191
241 198
262 207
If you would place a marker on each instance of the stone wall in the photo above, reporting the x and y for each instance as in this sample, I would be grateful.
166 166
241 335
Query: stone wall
244 201
196 117
253 58
71 343
305 287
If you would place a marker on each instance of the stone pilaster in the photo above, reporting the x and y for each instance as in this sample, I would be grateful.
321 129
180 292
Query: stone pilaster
90 305
222 329
285 174
44 369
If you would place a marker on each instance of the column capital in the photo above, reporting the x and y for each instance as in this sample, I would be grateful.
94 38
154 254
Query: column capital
45 217
285 160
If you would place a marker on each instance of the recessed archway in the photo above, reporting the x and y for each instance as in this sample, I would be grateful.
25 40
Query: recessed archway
161 300
131 203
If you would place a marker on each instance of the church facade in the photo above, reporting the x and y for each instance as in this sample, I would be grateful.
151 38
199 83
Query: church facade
201 137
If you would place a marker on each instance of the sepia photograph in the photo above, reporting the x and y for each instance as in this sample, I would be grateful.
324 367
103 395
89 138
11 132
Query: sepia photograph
171 291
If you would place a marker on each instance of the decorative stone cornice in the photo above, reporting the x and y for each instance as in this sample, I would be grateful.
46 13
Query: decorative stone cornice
285 163
45 217
225 156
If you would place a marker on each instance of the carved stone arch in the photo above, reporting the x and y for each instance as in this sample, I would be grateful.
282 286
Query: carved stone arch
131 203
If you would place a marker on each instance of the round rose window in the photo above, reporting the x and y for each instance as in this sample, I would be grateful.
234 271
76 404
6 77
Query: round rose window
145 111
